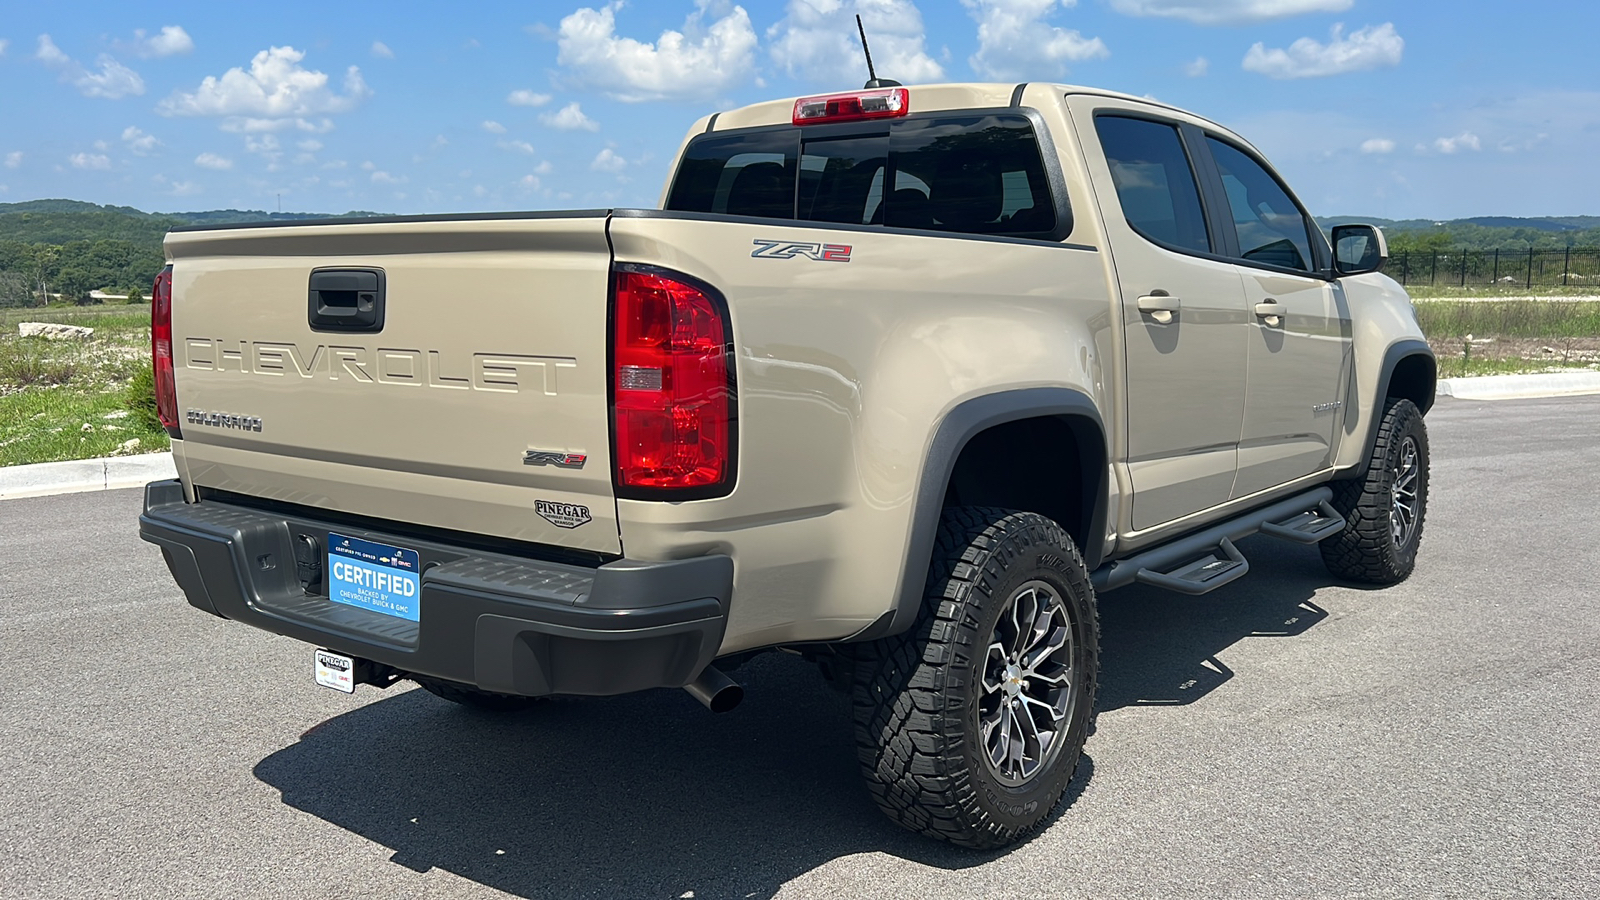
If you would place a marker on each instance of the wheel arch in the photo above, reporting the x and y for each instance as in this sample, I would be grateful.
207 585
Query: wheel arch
1410 372
969 434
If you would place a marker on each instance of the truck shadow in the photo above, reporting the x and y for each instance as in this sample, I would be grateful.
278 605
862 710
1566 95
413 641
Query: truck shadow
651 796
1159 648
639 796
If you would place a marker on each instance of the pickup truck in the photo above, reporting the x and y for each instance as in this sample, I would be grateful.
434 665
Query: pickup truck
901 380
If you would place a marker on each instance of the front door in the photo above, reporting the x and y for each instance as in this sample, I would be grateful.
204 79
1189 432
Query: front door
1184 314
1299 342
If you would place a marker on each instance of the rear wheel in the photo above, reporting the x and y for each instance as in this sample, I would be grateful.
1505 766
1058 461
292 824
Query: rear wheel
467 695
1384 510
970 725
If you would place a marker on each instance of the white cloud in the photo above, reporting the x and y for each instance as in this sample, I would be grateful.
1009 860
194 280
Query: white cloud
531 182
607 161
368 166
276 93
817 41
14 159
1373 47
1015 42
3 45
138 141
385 178
570 118
171 40
694 64
89 161
113 81
185 189
493 127
1466 140
310 145
49 54
527 98
213 161
543 168
1377 145
248 125
381 50
1218 12
1198 68
515 146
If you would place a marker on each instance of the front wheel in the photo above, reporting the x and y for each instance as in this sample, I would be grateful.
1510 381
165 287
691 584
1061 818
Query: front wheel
1384 510
970 725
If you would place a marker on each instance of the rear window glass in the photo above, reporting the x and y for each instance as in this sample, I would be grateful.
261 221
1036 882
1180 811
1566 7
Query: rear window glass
975 174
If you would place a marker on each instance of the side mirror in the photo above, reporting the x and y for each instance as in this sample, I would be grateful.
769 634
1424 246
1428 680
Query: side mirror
1359 249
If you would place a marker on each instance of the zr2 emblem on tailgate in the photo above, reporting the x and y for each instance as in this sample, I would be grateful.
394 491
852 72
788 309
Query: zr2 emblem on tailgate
792 249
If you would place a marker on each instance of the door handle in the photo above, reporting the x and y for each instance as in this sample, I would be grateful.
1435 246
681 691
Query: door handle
1270 312
1160 306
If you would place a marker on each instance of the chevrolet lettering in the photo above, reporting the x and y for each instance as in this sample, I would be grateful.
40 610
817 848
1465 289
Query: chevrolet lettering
1091 340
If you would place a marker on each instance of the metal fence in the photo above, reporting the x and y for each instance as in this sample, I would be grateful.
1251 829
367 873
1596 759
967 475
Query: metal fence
1572 267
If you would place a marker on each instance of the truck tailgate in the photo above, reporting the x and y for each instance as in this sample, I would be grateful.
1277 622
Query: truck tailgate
475 398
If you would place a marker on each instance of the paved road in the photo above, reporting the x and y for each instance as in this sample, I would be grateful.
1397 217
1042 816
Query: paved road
1283 738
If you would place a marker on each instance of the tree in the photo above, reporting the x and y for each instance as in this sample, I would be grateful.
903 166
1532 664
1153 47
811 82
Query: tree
14 291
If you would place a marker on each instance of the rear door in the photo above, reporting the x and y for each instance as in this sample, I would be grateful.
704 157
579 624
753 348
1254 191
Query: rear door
1299 341
1183 311
447 373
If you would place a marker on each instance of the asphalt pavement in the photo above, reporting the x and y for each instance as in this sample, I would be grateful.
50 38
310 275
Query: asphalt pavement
1286 736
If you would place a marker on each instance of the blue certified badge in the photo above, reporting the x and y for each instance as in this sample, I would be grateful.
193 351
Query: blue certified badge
373 576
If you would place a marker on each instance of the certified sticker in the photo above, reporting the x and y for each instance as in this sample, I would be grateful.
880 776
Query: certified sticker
562 515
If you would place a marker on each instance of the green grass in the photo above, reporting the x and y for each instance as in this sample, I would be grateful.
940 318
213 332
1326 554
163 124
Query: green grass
1537 319
48 424
1451 291
1459 366
63 400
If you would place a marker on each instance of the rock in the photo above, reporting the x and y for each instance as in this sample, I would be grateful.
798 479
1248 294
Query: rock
128 446
52 331
86 427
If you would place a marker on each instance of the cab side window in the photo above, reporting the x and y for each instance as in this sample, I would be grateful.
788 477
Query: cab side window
1271 228
1155 182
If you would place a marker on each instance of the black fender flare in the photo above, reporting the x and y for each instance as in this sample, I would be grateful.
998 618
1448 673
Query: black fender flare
1397 351
966 420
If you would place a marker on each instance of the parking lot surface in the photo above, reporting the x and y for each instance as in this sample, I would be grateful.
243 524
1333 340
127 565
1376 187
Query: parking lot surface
1286 736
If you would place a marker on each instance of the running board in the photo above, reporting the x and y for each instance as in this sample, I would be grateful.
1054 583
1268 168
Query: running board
1202 576
1206 560
1308 527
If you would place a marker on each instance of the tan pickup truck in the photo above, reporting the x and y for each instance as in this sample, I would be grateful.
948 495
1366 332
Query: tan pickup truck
899 379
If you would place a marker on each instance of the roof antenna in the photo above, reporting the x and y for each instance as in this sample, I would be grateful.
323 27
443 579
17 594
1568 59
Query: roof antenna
873 81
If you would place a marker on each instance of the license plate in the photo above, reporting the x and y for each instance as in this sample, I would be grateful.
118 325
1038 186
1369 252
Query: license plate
335 671
372 576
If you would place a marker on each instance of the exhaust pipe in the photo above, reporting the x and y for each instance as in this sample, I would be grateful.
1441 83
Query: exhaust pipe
715 690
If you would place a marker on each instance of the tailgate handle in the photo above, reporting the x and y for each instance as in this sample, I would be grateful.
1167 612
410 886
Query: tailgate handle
346 300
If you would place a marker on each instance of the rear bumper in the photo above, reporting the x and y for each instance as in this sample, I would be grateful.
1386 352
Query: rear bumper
503 623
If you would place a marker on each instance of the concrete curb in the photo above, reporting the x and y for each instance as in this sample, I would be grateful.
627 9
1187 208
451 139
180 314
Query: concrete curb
1521 387
77 476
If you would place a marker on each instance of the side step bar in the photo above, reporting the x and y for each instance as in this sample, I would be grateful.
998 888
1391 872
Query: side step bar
1206 560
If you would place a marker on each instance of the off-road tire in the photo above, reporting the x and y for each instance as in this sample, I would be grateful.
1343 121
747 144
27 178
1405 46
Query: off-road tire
467 695
1367 550
916 695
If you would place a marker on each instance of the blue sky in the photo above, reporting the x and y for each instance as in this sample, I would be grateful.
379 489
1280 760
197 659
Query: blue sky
1414 109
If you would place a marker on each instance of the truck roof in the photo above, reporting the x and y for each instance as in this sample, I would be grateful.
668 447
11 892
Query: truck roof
925 98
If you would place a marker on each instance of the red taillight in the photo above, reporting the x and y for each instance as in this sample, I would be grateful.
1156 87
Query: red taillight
883 104
672 397
161 351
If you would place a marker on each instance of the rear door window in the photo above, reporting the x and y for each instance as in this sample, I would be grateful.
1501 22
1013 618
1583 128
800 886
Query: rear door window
975 174
1155 182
